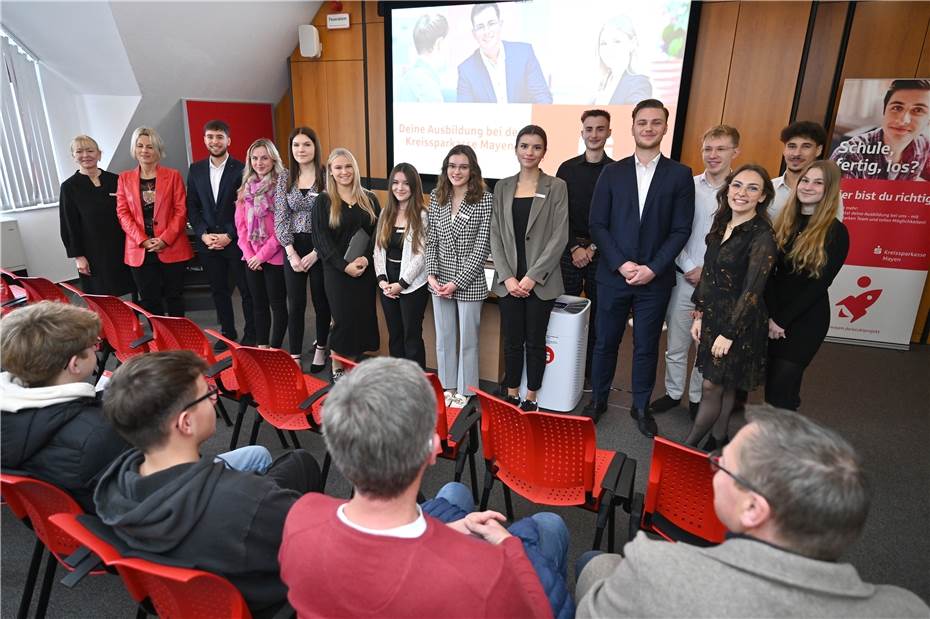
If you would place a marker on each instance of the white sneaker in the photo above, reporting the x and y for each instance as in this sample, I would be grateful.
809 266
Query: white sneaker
449 395
460 400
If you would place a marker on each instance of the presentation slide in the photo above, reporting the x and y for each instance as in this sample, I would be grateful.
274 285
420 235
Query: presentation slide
477 73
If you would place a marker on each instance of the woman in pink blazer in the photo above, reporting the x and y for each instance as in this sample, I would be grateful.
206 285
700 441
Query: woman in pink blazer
263 254
151 207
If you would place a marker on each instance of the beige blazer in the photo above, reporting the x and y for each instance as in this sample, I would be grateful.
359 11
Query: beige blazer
546 235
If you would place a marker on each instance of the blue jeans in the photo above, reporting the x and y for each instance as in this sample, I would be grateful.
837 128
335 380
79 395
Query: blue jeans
553 534
249 459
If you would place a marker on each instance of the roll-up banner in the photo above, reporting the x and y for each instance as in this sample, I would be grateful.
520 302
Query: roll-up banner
881 143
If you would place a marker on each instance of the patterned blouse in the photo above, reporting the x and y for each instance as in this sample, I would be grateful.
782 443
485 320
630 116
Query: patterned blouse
456 249
293 210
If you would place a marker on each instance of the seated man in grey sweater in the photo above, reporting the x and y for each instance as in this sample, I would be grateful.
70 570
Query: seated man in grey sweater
794 496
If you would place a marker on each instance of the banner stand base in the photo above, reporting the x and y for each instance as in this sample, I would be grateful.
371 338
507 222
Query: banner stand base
855 342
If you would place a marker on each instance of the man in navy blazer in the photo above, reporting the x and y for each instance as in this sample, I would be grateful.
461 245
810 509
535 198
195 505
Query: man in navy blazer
499 71
640 219
212 184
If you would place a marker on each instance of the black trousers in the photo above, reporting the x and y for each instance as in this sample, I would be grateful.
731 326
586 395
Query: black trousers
296 284
524 322
577 281
404 318
296 470
226 270
268 303
783 383
160 285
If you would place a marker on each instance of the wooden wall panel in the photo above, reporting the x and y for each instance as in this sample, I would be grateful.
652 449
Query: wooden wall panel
923 69
763 75
377 114
822 58
886 39
283 123
310 99
711 69
346 108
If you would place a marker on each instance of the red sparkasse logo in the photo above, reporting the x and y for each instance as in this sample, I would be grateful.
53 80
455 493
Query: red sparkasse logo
858 305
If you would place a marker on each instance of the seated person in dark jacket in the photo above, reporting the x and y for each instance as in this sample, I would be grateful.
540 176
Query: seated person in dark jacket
162 498
382 554
53 427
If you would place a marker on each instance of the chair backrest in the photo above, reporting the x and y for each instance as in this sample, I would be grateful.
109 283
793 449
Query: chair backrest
183 593
83 536
679 501
38 500
544 457
347 364
442 421
276 383
41 289
120 324
173 333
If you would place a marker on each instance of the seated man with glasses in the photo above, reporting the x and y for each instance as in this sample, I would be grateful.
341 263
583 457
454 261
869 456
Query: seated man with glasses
53 427
222 515
794 497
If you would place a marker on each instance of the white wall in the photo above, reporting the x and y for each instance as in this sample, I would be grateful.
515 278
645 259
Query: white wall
45 255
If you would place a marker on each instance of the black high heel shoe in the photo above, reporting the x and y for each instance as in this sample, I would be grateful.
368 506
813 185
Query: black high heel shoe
318 367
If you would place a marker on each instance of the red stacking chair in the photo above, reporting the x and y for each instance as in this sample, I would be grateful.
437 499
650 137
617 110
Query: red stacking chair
679 500
34 501
11 295
120 324
175 333
166 591
283 395
39 289
456 427
553 460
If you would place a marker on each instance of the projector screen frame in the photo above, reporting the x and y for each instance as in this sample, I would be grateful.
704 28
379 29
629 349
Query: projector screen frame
429 180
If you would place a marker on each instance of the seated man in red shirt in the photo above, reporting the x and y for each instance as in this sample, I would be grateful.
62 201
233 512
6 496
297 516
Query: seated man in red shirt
378 554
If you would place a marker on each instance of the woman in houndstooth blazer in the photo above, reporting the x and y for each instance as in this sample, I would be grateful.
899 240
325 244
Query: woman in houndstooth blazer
457 246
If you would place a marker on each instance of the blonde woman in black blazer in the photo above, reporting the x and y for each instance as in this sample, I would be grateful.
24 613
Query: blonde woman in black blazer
529 231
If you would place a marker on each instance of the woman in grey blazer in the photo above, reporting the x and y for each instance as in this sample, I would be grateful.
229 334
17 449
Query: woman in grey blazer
456 249
529 231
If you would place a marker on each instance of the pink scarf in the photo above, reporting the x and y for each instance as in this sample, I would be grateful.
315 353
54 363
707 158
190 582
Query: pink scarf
258 198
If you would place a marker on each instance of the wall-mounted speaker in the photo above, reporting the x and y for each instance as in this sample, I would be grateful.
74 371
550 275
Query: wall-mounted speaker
310 46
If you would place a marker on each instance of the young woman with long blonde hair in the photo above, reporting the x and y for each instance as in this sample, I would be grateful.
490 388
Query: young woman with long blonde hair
261 251
340 212
812 246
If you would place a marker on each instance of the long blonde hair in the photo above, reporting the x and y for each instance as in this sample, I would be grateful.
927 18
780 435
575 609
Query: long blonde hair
808 254
249 172
415 209
332 188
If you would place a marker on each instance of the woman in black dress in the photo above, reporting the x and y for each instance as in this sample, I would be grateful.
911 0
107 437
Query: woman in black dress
730 320
90 230
812 246
340 212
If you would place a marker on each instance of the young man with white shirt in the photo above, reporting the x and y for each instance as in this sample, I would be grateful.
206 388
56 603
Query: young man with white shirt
212 186
804 141
382 553
719 147
641 215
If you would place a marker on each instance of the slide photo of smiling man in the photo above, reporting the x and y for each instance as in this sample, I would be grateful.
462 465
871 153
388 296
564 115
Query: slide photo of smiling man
899 147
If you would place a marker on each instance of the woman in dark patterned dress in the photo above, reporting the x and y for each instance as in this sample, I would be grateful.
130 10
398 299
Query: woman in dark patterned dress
730 319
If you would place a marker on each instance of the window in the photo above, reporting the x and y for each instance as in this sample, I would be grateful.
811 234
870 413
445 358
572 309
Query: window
28 176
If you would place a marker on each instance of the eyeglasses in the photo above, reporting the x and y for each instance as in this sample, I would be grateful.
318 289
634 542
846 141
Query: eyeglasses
213 394
713 458
707 150
461 168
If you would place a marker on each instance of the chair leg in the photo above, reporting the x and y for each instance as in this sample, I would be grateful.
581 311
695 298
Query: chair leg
294 439
31 576
604 519
140 612
253 437
459 465
282 438
51 564
221 408
508 502
102 360
474 476
610 528
240 414
488 485
327 460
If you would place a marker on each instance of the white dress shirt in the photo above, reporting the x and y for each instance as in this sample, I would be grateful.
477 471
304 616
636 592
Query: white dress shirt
498 72
644 174
705 205
216 174
782 193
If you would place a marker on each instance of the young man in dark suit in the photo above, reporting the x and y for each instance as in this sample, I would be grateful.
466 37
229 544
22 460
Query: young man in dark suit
212 184
641 216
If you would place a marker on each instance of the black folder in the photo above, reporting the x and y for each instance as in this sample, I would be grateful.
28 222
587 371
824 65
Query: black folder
358 245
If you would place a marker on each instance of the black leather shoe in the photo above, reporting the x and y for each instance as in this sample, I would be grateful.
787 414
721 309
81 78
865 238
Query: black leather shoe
529 406
506 397
594 410
693 409
644 422
664 404
247 340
